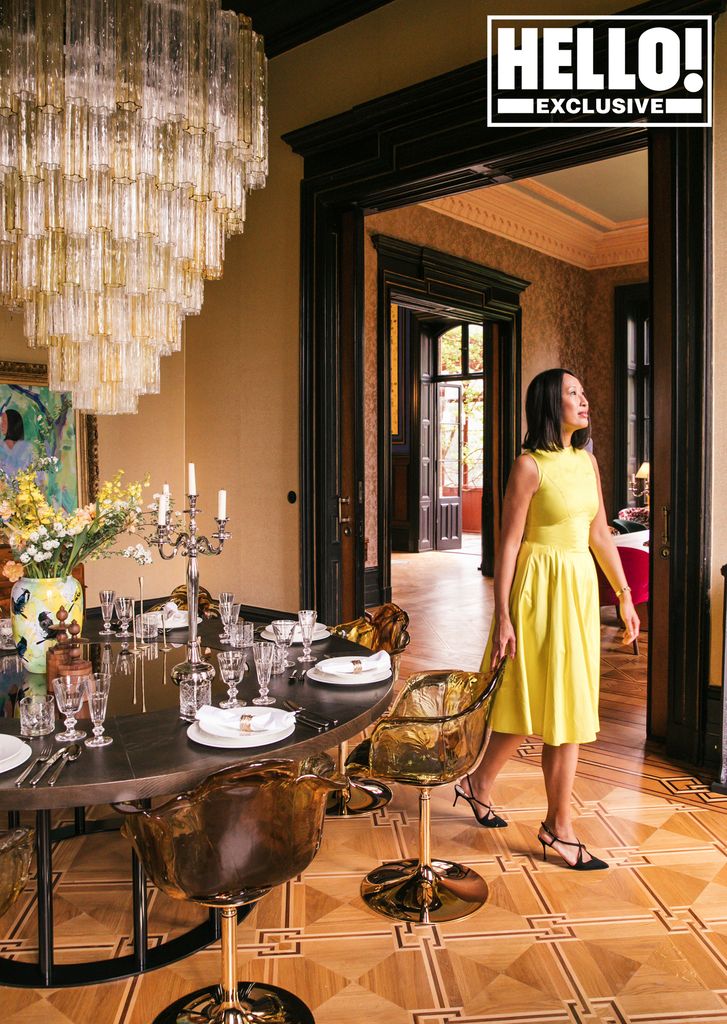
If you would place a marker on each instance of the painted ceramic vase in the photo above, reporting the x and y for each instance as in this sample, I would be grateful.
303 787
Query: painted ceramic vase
34 605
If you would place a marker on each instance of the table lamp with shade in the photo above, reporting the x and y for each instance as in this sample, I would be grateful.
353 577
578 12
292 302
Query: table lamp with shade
641 490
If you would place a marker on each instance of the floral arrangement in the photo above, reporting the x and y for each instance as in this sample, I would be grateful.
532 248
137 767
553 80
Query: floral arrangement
49 542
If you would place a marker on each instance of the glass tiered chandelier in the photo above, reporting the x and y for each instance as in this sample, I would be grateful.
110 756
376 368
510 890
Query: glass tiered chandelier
130 134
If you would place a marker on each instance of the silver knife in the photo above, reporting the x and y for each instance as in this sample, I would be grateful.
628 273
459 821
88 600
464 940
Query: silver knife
47 766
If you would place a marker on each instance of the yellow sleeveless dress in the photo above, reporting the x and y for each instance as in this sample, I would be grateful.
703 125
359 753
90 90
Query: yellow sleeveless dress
550 688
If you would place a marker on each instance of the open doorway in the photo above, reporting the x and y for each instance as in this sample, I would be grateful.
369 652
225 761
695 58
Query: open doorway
438 437
575 241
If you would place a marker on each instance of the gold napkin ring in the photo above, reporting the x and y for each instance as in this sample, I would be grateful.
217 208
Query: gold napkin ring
246 723
357 667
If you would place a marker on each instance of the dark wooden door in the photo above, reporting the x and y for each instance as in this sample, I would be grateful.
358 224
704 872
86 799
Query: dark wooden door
449 467
427 446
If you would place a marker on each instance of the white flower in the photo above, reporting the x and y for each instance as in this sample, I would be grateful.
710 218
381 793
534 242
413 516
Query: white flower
42 531
41 556
25 558
48 545
140 554
59 529
32 550
33 535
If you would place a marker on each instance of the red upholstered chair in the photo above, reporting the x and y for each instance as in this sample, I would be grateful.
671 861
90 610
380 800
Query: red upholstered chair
635 563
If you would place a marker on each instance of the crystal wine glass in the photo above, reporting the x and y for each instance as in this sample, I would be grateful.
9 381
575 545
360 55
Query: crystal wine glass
283 630
232 666
97 690
125 612
263 654
69 691
307 620
225 603
229 617
106 598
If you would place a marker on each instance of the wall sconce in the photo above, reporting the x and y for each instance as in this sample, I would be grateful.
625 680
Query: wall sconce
640 482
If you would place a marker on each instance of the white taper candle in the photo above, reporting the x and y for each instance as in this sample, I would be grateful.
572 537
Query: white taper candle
192 480
222 504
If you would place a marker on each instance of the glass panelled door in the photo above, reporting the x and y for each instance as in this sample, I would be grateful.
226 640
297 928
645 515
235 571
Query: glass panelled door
449 466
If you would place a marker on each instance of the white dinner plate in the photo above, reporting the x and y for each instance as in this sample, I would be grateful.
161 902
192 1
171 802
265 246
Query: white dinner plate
9 747
252 739
352 679
320 633
21 754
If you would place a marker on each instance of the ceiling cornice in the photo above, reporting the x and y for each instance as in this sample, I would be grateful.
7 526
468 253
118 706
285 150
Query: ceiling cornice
533 215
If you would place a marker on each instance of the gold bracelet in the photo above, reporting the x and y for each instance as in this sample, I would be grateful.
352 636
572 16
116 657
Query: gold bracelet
624 590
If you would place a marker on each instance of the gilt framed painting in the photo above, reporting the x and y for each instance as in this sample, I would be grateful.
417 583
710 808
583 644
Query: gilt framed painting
35 421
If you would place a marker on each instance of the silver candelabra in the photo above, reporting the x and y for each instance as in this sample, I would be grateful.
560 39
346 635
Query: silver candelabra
195 669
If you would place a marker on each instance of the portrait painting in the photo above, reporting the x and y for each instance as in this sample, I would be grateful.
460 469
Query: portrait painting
36 422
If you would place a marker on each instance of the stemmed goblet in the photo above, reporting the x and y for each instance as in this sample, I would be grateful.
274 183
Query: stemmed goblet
283 630
307 620
125 612
69 691
225 603
97 689
229 619
232 665
106 598
263 654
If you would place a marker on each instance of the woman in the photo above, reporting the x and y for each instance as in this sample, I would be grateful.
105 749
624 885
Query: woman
15 452
546 609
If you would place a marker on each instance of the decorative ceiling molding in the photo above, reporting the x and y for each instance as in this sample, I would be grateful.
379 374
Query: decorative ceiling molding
531 214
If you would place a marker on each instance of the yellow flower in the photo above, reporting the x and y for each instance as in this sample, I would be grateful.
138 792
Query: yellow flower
13 571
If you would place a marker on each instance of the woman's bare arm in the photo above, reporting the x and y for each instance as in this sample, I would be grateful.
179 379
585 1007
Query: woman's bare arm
603 547
523 483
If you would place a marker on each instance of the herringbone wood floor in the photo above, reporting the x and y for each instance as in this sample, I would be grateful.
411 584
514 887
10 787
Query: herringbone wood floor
644 942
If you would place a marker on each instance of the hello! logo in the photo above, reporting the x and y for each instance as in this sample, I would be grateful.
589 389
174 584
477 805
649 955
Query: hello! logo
655 71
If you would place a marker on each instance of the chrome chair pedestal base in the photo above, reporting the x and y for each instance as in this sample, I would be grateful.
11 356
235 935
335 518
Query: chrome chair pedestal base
258 1004
409 890
364 795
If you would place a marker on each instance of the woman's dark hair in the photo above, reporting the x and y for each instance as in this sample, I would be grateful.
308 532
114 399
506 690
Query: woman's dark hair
543 404
15 431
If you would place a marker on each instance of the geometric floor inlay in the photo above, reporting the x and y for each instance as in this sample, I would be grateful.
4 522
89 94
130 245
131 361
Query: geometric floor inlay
642 943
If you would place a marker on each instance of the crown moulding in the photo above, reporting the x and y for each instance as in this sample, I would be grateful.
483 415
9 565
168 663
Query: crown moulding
533 215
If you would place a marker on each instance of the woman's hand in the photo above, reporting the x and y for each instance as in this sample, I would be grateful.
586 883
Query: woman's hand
503 642
630 619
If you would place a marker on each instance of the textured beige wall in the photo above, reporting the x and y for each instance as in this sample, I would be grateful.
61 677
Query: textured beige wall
567 320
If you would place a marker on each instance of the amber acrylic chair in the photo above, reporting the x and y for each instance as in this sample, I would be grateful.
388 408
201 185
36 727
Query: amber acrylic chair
16 850
225 844
385 629
433 735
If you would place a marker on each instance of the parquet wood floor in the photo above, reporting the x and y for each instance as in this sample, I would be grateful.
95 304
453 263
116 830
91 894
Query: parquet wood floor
643 943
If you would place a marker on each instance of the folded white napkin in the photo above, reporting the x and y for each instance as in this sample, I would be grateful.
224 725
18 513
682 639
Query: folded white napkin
174 617
226 721
356 666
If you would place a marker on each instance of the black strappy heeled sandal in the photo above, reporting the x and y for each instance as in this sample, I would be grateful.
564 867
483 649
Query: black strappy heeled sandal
489 820
594 864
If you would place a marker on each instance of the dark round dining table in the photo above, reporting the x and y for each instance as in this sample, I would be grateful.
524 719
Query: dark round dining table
152 756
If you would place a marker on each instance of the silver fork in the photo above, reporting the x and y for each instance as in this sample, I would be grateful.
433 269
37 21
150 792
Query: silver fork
45 753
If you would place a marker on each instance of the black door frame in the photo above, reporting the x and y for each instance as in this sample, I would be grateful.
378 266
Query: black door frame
431 140
439 283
